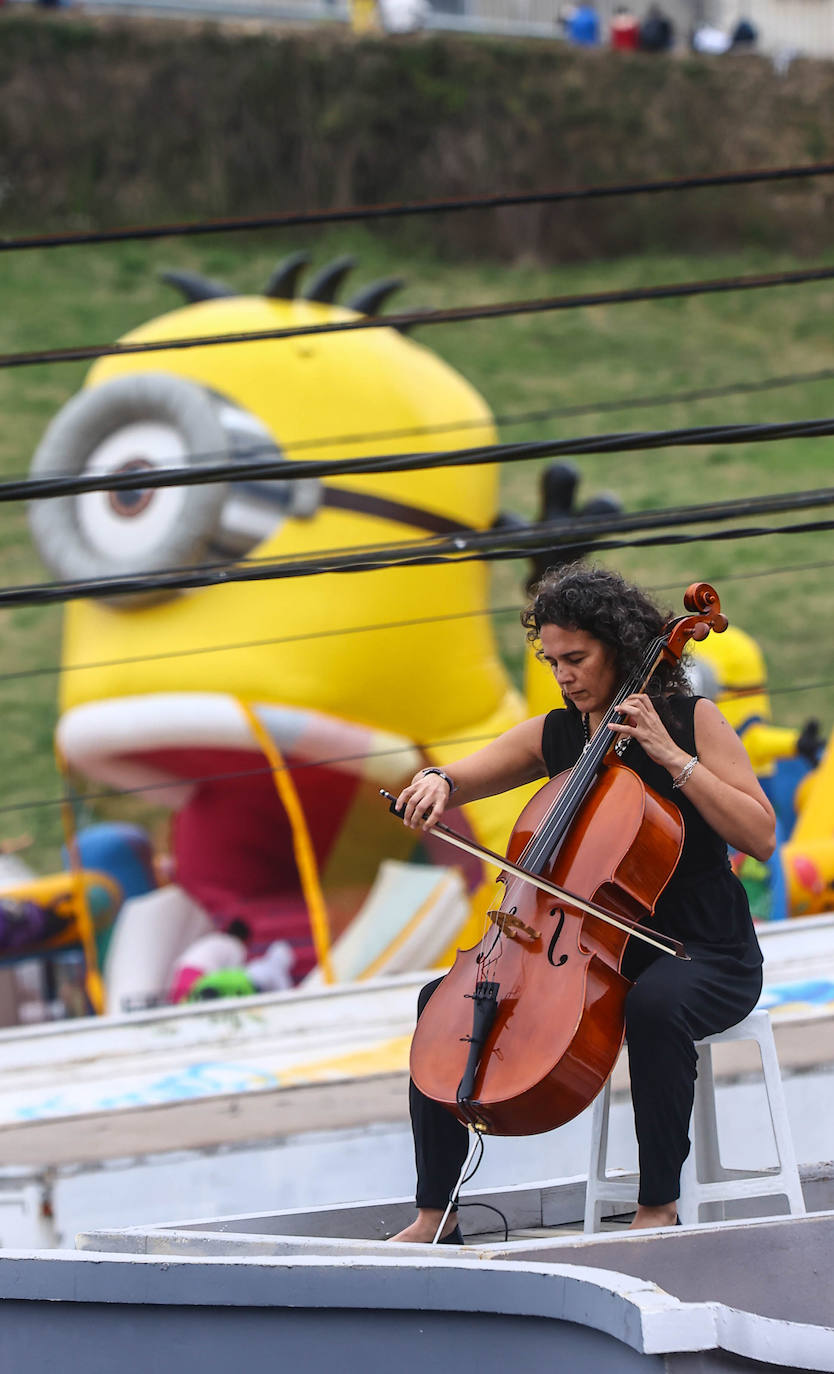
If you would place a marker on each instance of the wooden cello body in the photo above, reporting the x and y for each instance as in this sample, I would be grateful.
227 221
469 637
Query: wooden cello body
560 1020
526 1027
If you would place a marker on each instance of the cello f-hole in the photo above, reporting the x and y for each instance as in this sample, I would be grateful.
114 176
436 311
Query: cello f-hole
554 940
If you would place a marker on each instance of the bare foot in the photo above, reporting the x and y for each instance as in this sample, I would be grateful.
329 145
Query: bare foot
424 1229
667 1215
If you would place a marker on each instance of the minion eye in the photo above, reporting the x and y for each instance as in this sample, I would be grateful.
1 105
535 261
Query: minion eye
133 424
130 503
125 524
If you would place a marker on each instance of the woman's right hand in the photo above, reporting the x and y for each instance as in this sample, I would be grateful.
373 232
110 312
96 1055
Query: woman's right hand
424 800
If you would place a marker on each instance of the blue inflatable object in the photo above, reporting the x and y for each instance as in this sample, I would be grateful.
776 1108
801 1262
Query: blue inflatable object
780 790
122 851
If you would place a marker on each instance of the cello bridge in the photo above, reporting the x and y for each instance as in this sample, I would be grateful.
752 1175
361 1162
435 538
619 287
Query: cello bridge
512 926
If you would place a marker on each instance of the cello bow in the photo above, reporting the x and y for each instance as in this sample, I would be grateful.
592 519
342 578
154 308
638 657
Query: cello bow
512 928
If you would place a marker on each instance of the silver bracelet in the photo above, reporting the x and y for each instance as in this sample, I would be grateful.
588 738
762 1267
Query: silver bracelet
452 785
686 772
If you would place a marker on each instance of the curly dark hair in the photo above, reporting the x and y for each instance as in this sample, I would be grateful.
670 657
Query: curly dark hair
624 617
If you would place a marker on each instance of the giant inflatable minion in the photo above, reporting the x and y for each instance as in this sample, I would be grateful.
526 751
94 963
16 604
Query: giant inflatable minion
267 715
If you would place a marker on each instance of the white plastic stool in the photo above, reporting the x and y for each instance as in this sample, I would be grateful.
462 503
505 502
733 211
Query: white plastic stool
705 1183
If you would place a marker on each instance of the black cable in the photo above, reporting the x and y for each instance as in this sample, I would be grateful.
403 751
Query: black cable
48 488
513 542
476 1163
400 210
816 566
470 1174
716 536
55 669
85 798
508 545
786 691
529 417
564 532
489 1208
532 417
412 319
459 540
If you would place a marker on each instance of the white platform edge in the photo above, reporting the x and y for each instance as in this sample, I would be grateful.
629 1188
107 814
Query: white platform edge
633 1311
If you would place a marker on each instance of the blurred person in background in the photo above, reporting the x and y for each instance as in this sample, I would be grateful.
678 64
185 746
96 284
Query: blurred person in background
625 30
581 25
656 31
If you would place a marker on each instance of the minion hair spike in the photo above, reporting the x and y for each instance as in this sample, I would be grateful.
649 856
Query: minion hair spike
196 288
371 298
284 280
325 284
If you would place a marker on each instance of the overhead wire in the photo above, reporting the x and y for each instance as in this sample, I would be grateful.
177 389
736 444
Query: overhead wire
236 646
588 535
232 775
424 318
505 419
421 318
83 798
531 417
404 209
274 642
247 469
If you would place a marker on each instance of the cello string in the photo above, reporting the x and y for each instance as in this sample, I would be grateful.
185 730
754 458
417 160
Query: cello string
591 759
583 772
489 960
581 778
481 960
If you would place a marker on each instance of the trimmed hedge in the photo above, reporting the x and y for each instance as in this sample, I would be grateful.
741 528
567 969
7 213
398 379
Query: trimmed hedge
105 121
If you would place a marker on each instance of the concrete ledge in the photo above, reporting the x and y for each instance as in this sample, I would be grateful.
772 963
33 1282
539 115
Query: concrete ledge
633 1311
551 1203
587 1303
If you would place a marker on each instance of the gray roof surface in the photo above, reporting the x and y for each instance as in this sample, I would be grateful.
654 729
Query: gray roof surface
780 1269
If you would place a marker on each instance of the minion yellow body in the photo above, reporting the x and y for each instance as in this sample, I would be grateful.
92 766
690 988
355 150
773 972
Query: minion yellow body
735 664
360 678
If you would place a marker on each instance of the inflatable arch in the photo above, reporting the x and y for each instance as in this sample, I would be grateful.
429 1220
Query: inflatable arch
266 716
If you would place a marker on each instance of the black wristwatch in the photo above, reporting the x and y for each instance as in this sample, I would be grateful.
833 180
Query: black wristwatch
452 785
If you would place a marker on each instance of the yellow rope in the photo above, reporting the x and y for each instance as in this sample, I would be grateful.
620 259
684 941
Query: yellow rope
93 983
305 857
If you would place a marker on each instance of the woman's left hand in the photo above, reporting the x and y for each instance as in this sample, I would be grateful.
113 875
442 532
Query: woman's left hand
641 722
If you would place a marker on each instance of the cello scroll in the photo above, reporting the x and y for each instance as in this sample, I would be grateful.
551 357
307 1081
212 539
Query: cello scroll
702 601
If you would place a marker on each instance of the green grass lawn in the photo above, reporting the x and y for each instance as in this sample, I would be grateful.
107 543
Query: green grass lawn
607 353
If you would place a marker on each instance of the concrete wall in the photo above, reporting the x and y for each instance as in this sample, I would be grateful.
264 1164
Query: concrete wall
359 1313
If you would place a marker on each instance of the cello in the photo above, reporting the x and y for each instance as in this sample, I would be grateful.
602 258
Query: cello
526 1027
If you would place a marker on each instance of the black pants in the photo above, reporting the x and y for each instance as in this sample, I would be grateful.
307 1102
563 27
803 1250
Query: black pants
671 1004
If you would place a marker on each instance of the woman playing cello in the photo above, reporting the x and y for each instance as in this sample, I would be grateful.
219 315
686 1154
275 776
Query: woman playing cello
592 628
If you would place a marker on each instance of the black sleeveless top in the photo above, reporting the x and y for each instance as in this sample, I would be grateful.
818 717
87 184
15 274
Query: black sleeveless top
703 903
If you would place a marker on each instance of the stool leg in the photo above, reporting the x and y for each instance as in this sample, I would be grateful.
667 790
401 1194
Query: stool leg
778 1108
706 1149
703 1175
597 1160
688 1209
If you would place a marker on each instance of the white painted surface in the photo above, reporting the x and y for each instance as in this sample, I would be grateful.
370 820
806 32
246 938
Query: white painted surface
179 1053
312 1170
632 1310
112 1070
255 1044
